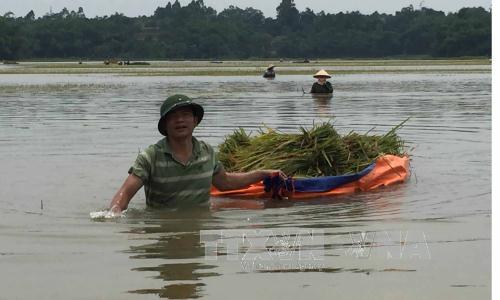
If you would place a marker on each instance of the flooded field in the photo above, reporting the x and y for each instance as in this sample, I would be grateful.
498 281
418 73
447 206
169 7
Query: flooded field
67 141
239 68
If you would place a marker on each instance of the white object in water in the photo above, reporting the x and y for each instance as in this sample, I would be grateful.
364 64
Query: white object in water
106 214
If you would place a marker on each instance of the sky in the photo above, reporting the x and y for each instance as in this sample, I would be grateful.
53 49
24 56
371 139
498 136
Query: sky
133 8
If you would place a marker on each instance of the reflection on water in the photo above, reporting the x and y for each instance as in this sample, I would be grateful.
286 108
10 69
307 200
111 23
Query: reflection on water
68 140
175 251
174 236
323 104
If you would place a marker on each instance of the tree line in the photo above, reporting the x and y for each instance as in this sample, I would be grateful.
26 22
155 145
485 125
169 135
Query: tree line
196 31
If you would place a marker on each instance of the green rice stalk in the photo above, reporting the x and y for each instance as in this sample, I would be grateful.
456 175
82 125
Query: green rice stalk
319 151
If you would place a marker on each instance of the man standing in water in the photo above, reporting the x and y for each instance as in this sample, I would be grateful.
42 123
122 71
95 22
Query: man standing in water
179 169
322 86
270 74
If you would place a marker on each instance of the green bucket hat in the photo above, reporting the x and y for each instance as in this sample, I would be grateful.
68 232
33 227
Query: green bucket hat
174 102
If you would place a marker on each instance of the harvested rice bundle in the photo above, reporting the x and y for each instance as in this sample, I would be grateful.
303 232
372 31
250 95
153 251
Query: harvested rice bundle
320 151
231 146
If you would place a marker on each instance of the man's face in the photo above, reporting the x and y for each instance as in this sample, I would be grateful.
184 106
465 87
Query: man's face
180 123
321 79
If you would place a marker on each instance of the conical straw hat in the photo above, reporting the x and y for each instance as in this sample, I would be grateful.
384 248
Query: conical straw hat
322 73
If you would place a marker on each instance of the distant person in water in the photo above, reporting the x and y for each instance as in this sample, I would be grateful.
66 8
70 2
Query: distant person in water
270 72
179 169
322 86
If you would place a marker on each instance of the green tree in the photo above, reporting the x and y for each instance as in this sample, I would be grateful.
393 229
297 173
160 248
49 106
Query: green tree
287 15
198 31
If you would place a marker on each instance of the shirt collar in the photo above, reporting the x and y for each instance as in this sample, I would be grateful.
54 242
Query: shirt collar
165 147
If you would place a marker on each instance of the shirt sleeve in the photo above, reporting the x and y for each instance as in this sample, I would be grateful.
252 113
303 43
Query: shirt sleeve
142 166
217 164
217 167
313 88
215 161
329 87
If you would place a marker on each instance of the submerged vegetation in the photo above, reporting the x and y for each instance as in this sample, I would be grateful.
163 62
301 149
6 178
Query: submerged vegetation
319 151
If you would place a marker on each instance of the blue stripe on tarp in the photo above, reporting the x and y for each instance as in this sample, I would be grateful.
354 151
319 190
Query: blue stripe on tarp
312 185
327 183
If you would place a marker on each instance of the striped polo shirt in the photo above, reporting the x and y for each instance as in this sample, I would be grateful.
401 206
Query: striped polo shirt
169 182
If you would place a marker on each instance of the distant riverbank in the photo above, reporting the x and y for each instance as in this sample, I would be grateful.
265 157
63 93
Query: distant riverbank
249 68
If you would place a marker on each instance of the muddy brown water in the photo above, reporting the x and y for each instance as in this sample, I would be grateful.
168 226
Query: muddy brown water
67 141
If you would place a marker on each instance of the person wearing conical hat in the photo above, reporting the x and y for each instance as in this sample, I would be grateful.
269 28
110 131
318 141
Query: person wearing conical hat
270 72
322 86
179 169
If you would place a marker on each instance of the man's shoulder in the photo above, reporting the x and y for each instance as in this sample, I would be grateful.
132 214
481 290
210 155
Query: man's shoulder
204 146
153 148
160 144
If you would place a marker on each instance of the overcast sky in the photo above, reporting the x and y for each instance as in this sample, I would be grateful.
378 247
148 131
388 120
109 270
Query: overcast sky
134 8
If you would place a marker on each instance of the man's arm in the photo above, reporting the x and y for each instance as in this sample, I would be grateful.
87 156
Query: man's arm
313 88
128 189
224 181
329 86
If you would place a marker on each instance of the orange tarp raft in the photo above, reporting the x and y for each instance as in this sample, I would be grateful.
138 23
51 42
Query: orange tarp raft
387 170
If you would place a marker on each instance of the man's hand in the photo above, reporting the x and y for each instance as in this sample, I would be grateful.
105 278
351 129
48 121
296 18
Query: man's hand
115 209
123 196
276 183
280 173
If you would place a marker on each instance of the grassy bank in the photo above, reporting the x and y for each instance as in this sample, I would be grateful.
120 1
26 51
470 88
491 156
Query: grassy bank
250 68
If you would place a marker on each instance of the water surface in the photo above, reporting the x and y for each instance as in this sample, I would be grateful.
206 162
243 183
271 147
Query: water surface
67 141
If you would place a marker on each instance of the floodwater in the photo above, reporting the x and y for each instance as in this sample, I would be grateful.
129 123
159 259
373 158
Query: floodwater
67 141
